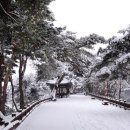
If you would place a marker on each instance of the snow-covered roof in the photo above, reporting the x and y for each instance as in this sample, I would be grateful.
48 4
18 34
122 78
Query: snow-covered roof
64 81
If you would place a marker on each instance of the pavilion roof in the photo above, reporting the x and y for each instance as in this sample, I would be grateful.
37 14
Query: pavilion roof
63 82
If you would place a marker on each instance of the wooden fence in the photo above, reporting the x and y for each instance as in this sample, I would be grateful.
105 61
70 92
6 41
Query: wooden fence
16 121
120 103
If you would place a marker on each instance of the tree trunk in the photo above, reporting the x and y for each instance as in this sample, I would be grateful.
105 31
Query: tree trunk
60 79
120 90
6 80
1 78
21 91
3 88
13 95
105 89
22 68
114 93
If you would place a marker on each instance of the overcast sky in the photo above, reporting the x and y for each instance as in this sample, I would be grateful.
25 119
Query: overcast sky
104 17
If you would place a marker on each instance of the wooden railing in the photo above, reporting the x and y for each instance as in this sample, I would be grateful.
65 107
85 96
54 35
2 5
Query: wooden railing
16 121
120 103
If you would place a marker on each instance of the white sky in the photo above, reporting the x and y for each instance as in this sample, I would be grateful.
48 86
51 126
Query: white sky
104 17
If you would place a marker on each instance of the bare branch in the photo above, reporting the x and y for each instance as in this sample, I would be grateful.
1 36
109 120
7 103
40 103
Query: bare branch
6 12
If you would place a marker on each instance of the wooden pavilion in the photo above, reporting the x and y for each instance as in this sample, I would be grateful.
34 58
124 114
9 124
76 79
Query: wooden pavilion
63 89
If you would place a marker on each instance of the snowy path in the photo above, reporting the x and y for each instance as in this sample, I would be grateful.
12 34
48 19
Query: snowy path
78 112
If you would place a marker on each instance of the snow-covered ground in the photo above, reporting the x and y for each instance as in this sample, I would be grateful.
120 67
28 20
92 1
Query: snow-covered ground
78 112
